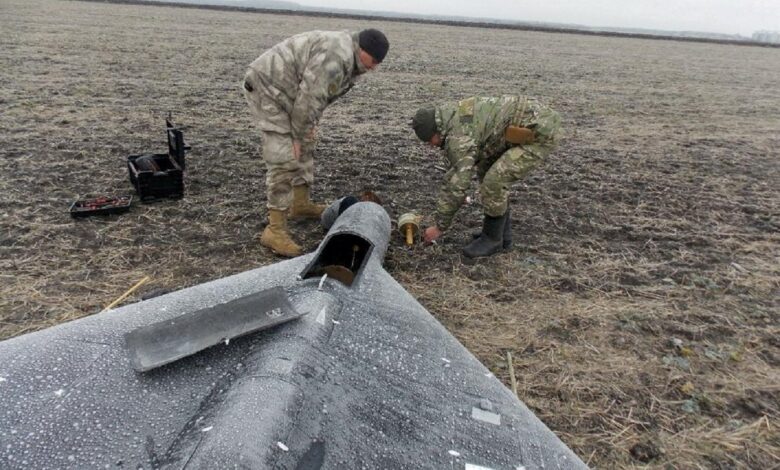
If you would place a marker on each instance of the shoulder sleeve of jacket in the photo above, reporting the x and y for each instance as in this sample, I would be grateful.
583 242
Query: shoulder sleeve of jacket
461 151
322 78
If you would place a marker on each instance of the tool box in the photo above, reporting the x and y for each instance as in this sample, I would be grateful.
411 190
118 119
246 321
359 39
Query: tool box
160 175
100 206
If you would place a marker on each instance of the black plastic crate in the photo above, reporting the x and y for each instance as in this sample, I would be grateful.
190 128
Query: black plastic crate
158 176
100 206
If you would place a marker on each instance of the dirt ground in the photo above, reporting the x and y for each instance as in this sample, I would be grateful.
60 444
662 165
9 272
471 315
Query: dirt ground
639 303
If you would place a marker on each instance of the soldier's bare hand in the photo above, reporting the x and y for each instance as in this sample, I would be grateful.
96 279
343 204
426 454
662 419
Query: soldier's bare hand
312 134
432 234
296 150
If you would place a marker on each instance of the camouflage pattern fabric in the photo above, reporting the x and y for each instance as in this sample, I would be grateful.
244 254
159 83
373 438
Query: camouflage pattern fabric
287 88
473 131
282 170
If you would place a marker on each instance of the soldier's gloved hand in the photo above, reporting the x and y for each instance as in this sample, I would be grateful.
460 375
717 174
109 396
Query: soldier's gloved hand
296 150
312 134
432 234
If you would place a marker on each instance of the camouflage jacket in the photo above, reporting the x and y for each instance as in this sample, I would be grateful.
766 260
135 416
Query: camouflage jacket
302 75
473 131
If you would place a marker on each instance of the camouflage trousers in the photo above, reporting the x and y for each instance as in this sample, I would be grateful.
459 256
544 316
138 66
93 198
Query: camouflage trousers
513 165
282 170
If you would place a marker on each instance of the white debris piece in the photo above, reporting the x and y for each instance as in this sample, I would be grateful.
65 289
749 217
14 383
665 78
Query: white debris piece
59 392
321 316
2 379
207 429
445 360
227 341
454 453
738 267
471 466
322 281
486 416
282 446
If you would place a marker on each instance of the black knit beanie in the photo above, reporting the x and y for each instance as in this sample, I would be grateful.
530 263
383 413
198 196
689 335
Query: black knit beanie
374 42
347 202
424 123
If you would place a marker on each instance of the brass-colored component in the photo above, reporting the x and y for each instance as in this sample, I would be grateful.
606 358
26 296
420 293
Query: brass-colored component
340 273
409 226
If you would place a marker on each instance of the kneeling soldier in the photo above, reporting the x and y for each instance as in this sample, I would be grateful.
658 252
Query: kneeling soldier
499 139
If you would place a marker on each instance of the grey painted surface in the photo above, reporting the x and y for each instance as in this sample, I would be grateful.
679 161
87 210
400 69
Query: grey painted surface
170 340
367 379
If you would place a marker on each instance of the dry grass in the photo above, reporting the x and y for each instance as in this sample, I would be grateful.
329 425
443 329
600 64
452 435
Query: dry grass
592 369
640 303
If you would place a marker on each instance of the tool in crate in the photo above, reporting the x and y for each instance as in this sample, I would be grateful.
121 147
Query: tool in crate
102 205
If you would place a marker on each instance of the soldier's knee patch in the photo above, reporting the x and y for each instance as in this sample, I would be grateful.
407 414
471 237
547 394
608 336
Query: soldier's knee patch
277 148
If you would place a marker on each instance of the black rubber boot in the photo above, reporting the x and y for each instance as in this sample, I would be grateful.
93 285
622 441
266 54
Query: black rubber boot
507 231
491 241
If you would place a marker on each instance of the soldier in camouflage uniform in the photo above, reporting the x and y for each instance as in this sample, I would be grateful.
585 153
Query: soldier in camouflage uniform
499 139
287 89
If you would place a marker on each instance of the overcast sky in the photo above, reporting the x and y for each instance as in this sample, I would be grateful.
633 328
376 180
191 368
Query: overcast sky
718 16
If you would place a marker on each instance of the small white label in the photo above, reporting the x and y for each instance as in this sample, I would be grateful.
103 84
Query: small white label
486 416
282 446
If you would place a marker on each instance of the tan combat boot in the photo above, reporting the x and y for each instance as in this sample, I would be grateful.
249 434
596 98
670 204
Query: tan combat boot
302 207
276 237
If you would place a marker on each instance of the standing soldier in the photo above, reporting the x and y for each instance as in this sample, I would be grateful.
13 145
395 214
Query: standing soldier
288 88
502 140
